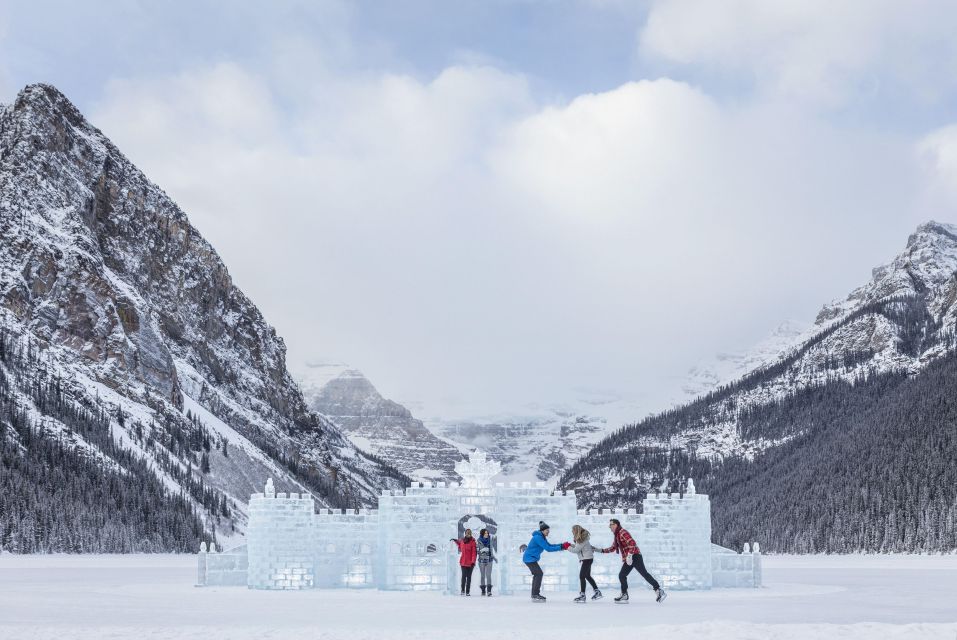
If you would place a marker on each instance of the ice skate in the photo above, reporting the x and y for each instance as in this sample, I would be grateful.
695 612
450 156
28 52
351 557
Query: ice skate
538 598
622 599
581 598
597 595
661 595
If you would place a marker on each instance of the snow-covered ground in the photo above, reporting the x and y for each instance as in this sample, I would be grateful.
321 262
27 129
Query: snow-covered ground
147 597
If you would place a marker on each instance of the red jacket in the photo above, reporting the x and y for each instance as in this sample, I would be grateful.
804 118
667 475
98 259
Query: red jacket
467 551
623 544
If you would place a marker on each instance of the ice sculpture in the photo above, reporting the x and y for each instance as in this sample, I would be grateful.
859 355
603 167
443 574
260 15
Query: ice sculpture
404 544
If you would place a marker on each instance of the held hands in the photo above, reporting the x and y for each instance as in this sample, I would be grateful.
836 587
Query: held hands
628 559
565 546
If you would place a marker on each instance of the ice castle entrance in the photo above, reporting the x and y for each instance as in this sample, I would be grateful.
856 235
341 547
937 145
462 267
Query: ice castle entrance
475 523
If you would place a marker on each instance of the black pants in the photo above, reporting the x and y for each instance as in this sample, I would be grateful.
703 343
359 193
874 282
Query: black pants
585 574
639 564
467 579
537 575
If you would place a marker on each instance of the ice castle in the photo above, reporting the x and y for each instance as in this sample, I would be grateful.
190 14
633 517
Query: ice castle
404 544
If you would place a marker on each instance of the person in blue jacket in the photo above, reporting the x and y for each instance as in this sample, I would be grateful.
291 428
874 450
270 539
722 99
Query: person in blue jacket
533 553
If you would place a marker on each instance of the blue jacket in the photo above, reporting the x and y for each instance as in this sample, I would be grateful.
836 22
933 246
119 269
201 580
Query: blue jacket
536 545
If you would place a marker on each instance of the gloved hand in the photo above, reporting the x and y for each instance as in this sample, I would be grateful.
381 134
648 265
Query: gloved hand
628 559
523 547
494 559
565 545
452 540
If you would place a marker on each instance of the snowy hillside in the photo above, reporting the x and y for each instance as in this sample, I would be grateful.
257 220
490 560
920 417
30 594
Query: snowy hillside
376 425
795 413
541 441
108 291
727 367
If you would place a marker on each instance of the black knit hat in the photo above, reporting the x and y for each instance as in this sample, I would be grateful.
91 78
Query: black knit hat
542 526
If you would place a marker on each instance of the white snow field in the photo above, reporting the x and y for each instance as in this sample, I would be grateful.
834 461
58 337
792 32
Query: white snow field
147 597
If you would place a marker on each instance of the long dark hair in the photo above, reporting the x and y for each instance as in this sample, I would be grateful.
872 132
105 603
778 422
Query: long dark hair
484 533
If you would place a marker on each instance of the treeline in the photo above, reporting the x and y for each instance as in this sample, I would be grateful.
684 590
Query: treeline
874 471
58 494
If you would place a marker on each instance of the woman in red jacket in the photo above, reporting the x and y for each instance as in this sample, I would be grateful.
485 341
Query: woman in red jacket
467 555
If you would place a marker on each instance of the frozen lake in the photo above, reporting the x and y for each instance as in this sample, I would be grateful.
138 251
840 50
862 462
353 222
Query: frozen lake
147 597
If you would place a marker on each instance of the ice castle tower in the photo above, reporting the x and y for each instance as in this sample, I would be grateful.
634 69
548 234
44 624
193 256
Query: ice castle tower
404 544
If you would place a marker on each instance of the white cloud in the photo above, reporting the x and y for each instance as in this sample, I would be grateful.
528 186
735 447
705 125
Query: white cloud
938 150
5 87
812 51
453 235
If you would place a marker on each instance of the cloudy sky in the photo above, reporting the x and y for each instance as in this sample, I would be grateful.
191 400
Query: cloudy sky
501 201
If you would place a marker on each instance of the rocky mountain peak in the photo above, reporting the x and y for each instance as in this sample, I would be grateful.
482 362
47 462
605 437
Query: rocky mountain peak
101 269
925 269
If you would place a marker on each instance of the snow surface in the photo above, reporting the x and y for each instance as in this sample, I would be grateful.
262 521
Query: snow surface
148 597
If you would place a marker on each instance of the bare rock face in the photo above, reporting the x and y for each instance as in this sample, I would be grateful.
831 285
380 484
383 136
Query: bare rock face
103 270
377 425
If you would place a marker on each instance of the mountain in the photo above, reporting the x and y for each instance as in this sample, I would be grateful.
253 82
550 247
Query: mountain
540 442
727 367
537 444
846 436
128 347
376 425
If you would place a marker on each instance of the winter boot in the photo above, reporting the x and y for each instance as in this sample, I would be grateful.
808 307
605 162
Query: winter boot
483 589
661 595
463 593
597 595
538 598
623 598
581 598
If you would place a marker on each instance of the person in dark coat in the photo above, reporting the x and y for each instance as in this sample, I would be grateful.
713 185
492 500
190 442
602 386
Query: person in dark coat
486 556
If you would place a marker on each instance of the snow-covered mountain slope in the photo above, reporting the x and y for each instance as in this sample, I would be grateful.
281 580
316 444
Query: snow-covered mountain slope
728 366
859 351
133 311
535 444
899 321
378 426
539 442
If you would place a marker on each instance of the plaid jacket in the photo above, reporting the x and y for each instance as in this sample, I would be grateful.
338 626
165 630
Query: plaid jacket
623 544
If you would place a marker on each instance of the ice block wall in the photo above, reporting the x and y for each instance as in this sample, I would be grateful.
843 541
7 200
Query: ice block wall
414 530
345 545
736 570
675 538
405 543
519 509
605 568
227 569
279 540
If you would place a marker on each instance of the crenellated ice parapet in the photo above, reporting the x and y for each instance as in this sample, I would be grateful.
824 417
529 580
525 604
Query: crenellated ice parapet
280 540
404 544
